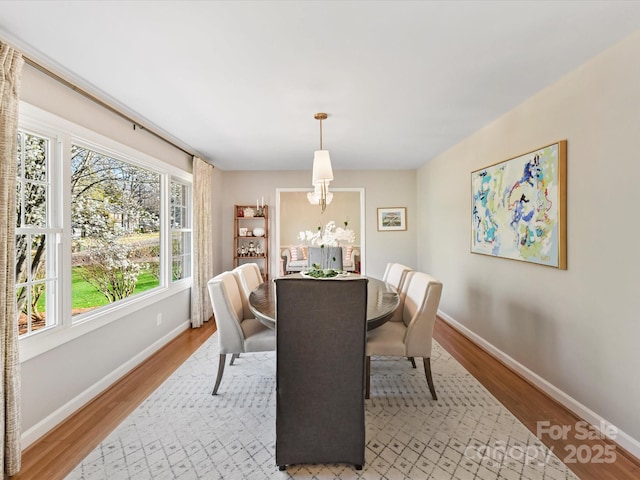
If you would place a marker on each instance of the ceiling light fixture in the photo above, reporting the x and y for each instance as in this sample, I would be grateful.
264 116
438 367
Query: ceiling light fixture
322 173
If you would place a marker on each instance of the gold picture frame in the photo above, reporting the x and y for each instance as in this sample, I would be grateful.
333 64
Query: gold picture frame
519 207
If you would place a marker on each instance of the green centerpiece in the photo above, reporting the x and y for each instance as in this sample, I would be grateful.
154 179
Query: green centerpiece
316 272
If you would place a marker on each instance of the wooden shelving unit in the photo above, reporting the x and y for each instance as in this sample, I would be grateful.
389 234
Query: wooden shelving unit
247 246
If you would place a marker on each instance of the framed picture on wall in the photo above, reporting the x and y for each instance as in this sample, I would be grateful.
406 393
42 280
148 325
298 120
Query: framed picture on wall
519 207
392 218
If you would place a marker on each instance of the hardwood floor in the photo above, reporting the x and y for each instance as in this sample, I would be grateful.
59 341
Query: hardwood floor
530 405
57 453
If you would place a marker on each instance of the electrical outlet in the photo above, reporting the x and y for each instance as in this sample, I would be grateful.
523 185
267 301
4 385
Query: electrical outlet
159 320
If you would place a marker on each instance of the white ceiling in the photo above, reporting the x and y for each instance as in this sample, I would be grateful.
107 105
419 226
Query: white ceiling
239 82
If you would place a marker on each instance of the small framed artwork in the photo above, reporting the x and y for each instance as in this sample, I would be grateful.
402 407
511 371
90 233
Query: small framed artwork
391 219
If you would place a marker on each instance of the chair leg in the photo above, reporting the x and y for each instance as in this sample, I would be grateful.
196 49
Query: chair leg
233 357
413 361
367 376
223 358
427 372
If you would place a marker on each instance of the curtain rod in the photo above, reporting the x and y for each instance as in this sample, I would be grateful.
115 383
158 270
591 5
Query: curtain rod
103 104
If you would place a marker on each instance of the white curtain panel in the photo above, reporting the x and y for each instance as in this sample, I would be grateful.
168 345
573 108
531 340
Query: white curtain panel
10 70
201 309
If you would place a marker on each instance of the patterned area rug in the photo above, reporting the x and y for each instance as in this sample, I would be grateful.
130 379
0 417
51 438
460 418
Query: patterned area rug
183 432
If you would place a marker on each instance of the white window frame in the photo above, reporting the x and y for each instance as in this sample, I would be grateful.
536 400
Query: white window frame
53 230
188 215
36 120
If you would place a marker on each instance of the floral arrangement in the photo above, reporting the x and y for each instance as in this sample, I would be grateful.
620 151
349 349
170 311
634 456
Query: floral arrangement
330 236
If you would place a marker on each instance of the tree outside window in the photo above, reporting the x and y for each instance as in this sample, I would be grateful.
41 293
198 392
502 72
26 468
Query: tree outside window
115 214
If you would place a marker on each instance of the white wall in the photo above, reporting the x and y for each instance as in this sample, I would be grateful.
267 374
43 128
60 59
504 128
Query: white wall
383 188
577 329
56 383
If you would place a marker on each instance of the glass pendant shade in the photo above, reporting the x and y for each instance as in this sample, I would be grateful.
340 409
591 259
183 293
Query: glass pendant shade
315 197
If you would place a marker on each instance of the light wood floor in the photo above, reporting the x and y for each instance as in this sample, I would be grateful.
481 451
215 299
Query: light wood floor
57 453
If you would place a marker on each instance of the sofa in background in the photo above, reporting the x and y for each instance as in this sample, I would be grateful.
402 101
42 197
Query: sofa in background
295 258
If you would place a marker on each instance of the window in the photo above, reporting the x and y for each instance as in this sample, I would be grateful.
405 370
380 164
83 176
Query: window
36 236
102 230
180 230
115 219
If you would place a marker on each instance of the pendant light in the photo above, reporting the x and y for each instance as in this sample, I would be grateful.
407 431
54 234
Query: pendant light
322 173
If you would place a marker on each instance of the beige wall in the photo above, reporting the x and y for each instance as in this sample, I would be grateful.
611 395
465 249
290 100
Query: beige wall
578 329
297 215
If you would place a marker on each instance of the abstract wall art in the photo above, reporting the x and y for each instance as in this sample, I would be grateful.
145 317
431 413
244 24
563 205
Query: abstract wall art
518 207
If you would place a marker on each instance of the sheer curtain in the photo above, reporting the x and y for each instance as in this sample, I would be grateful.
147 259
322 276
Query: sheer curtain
201 309
10 69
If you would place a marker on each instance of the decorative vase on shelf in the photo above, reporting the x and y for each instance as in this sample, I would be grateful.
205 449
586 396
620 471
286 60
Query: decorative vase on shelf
249 212
258 232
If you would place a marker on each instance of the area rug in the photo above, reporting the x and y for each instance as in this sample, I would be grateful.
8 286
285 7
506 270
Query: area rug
183 432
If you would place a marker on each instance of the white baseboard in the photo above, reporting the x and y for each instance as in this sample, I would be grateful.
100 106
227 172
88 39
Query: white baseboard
57 417
623 439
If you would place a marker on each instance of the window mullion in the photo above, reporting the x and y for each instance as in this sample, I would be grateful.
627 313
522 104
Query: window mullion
165 233
62 215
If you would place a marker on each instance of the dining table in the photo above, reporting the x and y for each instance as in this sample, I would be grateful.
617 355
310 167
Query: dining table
382 300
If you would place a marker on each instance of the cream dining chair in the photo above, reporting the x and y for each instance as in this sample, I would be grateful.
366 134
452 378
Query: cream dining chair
238 331
249 277
413 336
395 274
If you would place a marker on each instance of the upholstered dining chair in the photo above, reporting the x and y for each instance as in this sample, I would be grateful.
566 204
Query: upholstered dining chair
249 277
238 331
320 337
395 274
413 337
326 257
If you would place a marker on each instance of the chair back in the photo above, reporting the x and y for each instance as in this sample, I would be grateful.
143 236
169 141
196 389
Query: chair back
396 274
422 297
228 312
249 277
320 345
326 257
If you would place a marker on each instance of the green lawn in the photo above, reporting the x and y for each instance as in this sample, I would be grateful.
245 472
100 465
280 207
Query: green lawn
83 295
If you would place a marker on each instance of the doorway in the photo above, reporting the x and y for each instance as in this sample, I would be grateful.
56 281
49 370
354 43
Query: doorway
294 214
